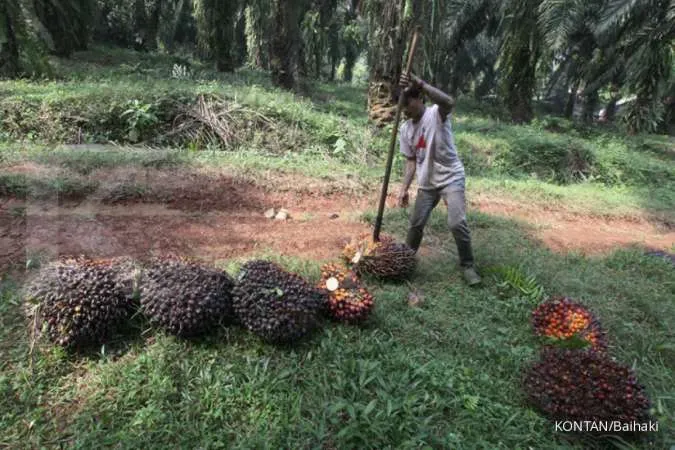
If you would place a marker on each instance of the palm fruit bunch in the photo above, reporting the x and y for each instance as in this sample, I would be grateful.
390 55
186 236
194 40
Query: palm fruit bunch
563 320
184 297
278 306
567 384
384 259
78 302
348 300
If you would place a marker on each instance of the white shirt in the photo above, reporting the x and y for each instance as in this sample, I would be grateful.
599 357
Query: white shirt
431 142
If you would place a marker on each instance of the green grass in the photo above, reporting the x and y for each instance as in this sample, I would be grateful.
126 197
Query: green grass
444 375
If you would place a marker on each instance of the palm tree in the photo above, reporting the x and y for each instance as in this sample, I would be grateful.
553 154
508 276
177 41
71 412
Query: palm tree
10 18
258 23
644 32
285 42
215 28
67 22
352 37
387 38
567 27
317 25
520 51
451 48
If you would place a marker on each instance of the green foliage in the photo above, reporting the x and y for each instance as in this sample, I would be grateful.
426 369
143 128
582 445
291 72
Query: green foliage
68 23
22 52
354 37
139 23
514 280
520 51
558 159
642 116
139 118
115 22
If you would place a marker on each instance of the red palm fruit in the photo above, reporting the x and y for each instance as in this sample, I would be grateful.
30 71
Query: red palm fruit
561 318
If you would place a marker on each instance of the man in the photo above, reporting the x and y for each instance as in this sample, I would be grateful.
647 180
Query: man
427 141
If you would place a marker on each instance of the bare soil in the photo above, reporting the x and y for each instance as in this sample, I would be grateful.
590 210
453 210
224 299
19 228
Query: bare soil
563 231
216 216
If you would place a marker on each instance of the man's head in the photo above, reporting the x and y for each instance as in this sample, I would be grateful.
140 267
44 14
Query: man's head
413 103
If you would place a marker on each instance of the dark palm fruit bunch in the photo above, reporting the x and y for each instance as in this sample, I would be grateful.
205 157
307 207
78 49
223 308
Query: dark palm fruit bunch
185 297
385 259
570 384
278 306
79 301
348 300
564 319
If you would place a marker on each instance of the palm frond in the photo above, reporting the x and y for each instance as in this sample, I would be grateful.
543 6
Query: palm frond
614 12
466 19
559 19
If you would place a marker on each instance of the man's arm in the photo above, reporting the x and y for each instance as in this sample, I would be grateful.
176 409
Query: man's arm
410 167
444 101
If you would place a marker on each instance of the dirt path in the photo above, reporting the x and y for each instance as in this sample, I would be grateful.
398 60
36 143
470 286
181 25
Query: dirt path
563 231
222 217
316 229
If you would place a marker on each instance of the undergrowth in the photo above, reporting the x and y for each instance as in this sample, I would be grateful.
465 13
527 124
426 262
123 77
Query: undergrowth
109 95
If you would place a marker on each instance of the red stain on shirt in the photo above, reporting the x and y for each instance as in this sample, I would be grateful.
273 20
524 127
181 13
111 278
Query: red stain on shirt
421 143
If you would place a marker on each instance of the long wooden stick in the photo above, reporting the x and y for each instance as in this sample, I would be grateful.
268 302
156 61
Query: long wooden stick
392 143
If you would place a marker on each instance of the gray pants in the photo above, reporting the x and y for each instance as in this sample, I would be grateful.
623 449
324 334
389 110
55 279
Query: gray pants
425 203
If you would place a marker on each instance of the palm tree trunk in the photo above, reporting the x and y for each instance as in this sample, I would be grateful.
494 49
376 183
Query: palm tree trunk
334 46
257 27
83 24
571 100
215 22
9 51
153 25
285 47
61 22
385 54
610 109
520 52
140 25
590 103
240 37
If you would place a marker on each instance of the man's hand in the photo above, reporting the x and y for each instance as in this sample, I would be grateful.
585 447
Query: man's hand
407 81
445 102
403 199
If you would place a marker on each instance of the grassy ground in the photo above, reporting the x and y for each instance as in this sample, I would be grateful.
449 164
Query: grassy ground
446 375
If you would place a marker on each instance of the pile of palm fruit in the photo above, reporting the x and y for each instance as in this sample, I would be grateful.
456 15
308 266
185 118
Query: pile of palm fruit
385 259
278 306
575 378
78 302
348 299
561 319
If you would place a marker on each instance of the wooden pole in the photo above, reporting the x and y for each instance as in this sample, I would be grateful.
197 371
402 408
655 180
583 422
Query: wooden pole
392 143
